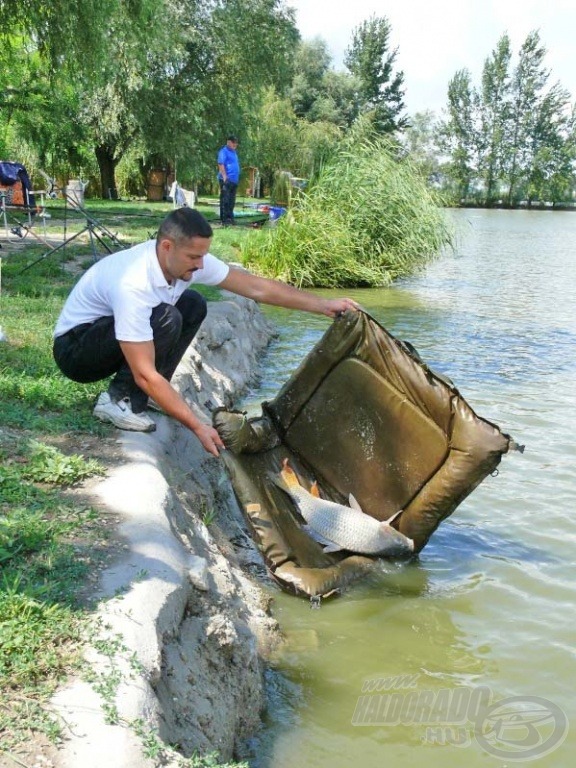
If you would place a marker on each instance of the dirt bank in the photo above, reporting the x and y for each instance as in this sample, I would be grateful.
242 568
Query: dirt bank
183 628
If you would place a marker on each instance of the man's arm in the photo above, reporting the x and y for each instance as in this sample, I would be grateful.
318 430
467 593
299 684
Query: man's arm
221 166
281 294
140 357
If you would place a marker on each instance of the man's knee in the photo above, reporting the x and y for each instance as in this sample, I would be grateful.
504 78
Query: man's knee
192 307
170 323
166 322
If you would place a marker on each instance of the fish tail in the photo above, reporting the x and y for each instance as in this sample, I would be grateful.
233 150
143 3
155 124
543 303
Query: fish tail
288 475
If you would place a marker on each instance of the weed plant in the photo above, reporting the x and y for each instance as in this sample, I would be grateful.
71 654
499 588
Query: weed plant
367 218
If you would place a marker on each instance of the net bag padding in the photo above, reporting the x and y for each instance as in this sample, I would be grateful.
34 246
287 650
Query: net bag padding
362 414
243 435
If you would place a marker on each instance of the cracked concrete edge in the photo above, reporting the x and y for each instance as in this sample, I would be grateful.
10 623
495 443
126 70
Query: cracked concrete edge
152 587
153 575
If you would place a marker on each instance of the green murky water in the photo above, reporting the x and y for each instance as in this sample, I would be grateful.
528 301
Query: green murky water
490 602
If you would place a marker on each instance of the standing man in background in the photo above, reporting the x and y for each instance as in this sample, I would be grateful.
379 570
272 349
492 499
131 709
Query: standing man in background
228 178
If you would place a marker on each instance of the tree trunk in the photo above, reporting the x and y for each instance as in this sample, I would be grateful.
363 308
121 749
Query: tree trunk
107 165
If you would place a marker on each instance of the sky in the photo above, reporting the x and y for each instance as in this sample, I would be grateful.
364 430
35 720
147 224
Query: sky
436 39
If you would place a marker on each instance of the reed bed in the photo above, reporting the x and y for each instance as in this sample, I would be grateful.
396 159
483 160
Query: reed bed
367 219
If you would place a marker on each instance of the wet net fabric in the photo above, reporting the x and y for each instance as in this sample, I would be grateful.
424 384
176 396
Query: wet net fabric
363 414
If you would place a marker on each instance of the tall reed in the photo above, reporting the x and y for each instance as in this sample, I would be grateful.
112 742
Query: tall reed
367 218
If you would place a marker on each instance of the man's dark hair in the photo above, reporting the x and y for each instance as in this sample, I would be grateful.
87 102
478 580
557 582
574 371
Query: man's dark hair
232 137
182 224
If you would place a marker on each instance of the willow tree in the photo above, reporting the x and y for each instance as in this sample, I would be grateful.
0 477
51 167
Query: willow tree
250 45
67 45
71 34
39 114
166 77
203 76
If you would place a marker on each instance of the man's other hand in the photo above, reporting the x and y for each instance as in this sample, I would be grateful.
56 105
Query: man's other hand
210 439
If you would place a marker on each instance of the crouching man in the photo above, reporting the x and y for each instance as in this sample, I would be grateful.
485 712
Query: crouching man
132 316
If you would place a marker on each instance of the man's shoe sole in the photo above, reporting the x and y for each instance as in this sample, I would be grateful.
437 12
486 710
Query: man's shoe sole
105 417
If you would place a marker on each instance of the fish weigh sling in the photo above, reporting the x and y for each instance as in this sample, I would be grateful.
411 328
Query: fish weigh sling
338 527
362 414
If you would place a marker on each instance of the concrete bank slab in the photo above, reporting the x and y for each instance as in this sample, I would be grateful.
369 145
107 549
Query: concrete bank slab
152 587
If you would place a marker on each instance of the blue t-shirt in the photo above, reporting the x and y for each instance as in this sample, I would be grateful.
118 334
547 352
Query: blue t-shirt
229 159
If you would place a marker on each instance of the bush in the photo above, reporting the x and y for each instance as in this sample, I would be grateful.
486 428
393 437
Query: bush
367 219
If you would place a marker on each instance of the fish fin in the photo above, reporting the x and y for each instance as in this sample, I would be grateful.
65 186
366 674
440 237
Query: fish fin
329 545
288 475
314 490
278 482
394 516
354 504
332 547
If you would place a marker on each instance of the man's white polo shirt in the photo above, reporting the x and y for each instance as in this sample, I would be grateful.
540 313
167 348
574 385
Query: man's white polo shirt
128 285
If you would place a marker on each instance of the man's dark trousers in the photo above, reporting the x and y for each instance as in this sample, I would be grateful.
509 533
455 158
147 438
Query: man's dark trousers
91 352
227 201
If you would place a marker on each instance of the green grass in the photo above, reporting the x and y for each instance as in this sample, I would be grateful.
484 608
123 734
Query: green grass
49 545
33 394
47 548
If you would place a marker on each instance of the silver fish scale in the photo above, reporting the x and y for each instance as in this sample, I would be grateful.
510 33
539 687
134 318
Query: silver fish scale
347 527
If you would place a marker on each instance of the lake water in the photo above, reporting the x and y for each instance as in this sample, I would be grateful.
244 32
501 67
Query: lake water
488 608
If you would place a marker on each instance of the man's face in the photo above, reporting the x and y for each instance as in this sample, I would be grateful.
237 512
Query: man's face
232 144
181 260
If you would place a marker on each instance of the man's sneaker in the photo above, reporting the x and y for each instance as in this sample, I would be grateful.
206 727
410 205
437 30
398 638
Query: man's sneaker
120 414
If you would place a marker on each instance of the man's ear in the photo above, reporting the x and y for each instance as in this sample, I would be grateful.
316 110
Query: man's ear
165 245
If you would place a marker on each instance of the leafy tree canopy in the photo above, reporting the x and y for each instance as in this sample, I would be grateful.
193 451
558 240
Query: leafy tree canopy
511 139
73 33
371 61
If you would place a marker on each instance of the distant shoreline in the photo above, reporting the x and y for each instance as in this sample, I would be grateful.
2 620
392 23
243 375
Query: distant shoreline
519 207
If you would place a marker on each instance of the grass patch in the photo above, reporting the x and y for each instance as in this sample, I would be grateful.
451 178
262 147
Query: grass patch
46 552
33 393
